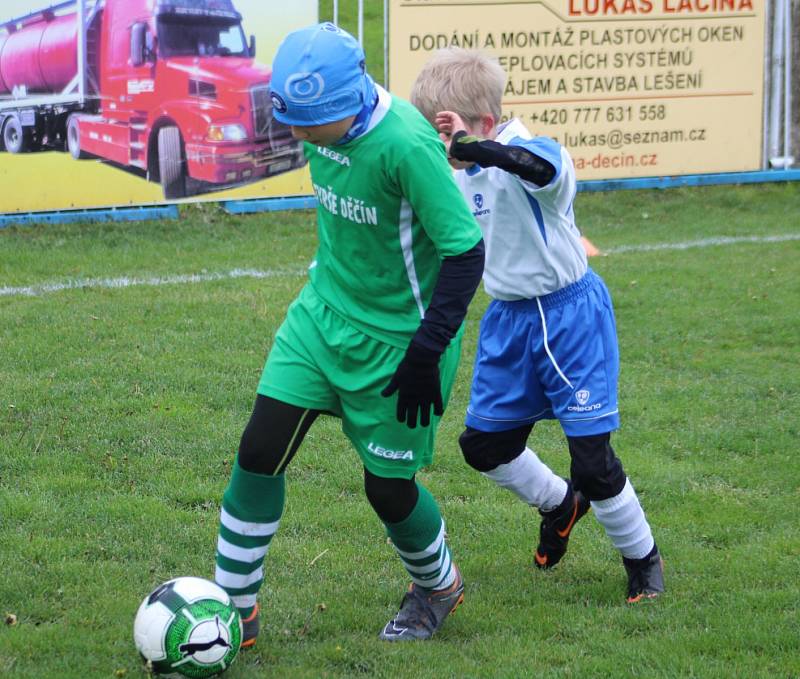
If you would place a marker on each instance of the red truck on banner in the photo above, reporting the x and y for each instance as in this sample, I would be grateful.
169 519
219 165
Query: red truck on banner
168 89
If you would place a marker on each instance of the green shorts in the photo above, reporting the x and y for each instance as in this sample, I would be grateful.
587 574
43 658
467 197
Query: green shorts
321 362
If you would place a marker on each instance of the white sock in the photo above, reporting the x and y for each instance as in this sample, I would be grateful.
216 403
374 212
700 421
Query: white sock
624 522
530 480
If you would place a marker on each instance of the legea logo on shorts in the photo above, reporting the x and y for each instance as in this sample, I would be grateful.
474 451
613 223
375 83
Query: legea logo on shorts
582 396
387 454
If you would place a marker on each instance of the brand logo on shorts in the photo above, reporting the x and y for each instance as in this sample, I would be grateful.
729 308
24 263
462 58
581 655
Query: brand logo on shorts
387 454
582 396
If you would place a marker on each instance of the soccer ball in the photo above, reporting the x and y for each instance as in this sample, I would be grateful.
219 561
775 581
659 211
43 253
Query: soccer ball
188 627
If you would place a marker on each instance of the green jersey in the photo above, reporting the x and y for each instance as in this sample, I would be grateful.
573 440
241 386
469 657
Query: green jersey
389 212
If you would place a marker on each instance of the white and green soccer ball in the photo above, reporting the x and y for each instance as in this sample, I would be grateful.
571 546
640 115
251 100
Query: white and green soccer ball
188 627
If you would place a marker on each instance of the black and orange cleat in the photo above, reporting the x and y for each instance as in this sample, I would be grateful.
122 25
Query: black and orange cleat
645 577
250 626
556 527
423 611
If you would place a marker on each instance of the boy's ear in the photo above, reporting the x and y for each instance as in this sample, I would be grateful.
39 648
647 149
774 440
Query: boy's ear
487 124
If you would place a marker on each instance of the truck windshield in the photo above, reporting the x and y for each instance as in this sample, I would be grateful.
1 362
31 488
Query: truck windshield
183 37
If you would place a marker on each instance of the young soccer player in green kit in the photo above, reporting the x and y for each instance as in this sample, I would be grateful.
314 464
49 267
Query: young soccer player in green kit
374 336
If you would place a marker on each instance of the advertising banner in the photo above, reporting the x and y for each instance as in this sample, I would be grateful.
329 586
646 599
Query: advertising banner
107 103
632 88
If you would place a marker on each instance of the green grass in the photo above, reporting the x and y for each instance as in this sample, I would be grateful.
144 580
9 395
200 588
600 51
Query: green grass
373 29
121 409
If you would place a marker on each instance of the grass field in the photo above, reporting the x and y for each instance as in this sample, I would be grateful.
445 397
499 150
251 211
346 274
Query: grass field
129 355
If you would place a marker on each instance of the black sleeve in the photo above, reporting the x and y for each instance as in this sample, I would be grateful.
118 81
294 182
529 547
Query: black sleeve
515 159
458 280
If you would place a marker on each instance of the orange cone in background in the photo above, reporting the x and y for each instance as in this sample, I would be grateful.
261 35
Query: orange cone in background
591 250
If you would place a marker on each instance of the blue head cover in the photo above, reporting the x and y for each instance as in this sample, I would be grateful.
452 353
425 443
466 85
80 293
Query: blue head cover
319 76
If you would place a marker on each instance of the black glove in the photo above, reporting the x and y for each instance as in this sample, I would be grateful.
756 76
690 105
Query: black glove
417 382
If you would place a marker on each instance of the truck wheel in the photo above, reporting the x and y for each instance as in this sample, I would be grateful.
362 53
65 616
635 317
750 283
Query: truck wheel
15 138
170 163
74 138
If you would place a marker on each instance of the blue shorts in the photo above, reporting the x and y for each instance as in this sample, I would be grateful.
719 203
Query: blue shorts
553 357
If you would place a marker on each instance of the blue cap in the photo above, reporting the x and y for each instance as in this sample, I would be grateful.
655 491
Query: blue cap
319 76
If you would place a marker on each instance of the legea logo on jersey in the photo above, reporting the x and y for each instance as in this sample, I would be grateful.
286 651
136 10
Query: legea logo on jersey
387 454
334 156
477 199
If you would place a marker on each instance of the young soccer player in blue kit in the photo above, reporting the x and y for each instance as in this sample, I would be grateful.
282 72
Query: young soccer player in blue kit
373 337
548 346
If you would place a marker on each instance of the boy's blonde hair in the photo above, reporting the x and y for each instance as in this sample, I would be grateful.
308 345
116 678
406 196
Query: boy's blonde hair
467 82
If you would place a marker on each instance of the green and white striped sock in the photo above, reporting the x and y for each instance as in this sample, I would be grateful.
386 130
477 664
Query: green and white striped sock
419 540
251 510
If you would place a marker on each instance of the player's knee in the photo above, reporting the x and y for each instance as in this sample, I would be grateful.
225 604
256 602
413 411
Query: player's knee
596 470
254 454
486 450
392 499
259 452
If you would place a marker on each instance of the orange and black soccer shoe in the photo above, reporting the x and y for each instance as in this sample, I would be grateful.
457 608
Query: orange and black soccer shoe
645 576
556 527
250 626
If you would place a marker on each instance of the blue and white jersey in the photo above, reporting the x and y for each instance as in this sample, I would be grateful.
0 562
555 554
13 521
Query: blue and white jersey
533 247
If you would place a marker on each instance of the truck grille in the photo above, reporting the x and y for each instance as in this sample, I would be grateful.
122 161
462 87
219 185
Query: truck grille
262 111
267 128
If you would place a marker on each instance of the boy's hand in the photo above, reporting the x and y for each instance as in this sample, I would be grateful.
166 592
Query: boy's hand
417 382
448 123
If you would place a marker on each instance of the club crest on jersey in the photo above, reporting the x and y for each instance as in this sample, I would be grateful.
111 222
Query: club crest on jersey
477 200
582 396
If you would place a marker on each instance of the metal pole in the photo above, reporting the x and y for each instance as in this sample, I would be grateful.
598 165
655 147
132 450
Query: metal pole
775 82
765 103
386 44
81 18
336 12
361 22
787 85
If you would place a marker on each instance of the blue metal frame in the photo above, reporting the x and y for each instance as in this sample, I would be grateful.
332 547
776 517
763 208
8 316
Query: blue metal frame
690 180
310 202
239 207
120 214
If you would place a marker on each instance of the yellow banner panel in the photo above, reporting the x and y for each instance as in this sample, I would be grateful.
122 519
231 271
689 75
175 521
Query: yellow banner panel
632 88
